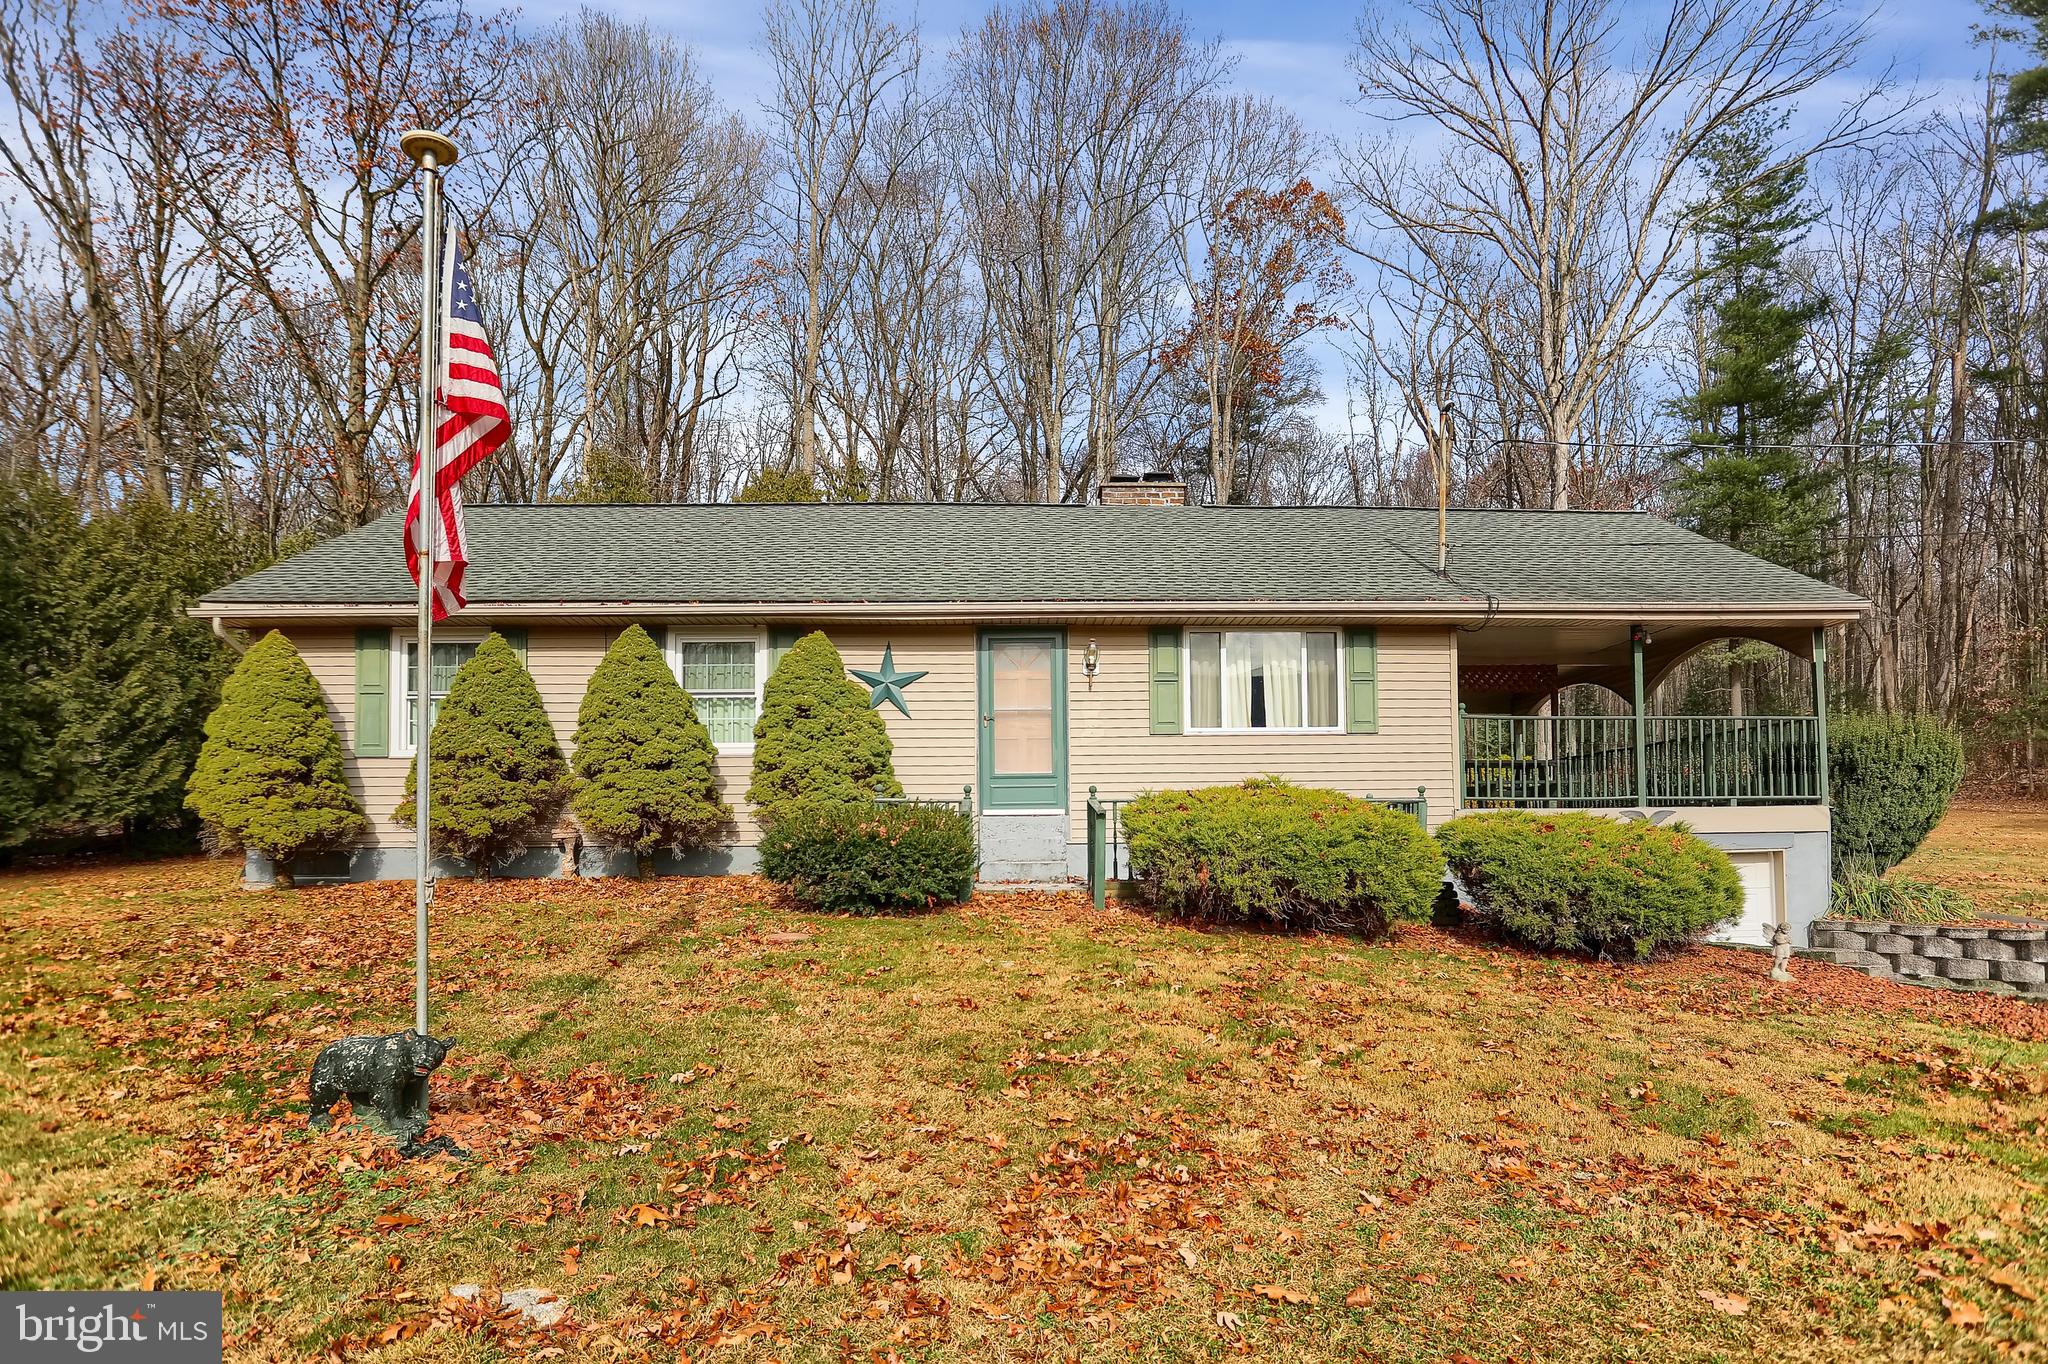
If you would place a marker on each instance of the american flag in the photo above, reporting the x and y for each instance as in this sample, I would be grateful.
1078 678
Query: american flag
473 422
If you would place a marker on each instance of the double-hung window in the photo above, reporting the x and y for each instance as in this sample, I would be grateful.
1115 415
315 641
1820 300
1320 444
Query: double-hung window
1263 679
723 677
449 655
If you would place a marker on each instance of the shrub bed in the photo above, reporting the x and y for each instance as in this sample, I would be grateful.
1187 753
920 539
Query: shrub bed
860 858
1571 882
1890 780
1268 851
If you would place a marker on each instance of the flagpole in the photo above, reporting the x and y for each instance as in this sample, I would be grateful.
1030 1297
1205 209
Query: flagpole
432 152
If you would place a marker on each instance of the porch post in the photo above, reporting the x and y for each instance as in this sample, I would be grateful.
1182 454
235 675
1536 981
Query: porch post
1820 707
1636 639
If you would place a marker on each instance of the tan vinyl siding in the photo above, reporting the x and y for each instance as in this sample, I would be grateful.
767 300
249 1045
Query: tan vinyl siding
1112 746
934 750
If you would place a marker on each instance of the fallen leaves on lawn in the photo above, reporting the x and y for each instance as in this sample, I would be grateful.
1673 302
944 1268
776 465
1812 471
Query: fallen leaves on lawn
1281 1293
2009 1279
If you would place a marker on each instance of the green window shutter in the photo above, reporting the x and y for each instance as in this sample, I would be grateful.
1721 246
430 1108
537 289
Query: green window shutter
1362 680
372 732
1166 705
658 633
781 642
517 639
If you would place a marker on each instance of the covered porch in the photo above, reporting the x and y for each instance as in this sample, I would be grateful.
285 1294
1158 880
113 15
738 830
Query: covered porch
1516 751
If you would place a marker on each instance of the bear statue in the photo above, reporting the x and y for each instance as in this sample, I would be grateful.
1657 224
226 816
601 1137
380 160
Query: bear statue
386 1075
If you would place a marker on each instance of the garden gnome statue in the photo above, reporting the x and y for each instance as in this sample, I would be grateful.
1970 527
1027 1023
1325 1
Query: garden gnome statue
1781 953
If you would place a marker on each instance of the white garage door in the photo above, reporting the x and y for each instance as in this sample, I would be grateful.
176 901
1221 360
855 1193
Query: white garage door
1759 873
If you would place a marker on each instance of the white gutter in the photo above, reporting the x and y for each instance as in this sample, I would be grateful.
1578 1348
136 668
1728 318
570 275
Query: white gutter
1789 613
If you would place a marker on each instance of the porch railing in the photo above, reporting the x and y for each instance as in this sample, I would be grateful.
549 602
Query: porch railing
964 802
1109 857
1572 762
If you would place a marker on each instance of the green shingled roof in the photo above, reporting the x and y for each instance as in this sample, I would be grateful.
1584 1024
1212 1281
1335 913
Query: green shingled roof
997 553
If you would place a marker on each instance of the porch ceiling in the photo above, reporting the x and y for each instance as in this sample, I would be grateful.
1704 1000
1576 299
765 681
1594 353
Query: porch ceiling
1598 651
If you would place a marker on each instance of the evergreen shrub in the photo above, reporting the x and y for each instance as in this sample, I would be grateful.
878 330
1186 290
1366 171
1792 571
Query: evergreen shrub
817 739
1891 778
1271 852
270 774
864 858
499 779
1572 882
644 761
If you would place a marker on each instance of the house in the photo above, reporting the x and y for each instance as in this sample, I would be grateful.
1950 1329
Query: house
1114 648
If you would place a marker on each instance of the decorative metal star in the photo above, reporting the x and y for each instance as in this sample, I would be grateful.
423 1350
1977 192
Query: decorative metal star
888 684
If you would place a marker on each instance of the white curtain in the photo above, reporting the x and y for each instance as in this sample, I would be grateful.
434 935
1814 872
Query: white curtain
1205 680
1280 656
1322 681
1239 653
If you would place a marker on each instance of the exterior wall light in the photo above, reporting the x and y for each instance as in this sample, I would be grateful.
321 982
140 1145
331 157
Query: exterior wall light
1091 661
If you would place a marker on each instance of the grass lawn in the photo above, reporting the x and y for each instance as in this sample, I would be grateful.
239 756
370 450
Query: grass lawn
1994 851
719 1128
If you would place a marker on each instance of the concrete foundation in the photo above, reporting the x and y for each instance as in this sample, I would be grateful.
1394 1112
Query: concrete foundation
1026 847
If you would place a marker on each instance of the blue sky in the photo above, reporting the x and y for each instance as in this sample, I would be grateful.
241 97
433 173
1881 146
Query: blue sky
1290 49
1296 51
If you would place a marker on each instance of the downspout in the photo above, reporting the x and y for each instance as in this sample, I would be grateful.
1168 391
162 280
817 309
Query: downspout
220 632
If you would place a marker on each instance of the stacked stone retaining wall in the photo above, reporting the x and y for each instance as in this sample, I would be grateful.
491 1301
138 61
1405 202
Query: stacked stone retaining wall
1995 957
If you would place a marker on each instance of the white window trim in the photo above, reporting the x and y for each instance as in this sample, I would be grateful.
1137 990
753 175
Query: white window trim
402 642
1187 673
678 636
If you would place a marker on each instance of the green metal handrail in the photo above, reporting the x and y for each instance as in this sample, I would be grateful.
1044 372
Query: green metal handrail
964 802
1565 762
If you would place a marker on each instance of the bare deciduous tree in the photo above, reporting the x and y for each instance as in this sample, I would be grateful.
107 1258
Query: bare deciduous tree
1565 155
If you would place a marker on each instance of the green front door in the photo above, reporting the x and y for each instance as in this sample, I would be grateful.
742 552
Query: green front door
1023 719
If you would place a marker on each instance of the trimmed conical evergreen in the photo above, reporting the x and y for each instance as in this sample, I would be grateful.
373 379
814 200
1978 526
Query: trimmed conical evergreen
817 738
270 773
499 775
644 761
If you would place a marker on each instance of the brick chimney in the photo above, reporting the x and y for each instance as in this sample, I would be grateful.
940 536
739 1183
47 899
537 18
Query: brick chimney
1154 489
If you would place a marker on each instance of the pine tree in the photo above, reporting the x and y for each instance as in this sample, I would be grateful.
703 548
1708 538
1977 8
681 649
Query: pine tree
140 674
643 759
271 775
35 522
817 738
777 485
499 778
1749 484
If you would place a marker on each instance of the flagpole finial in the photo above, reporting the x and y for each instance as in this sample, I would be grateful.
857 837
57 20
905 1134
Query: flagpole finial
426 146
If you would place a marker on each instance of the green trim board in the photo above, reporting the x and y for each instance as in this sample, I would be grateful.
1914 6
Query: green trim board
1020 790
